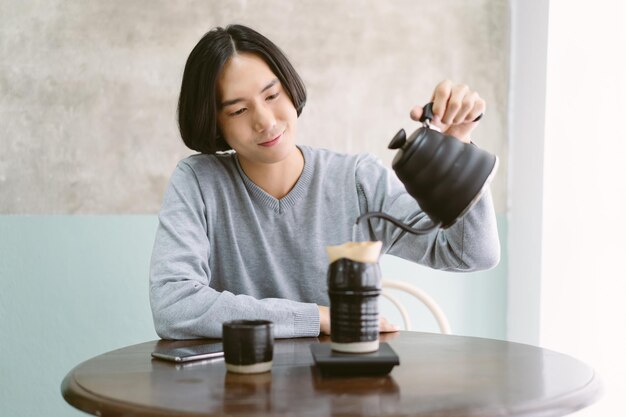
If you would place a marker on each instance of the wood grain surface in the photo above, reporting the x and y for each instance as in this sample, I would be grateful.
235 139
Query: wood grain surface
438 375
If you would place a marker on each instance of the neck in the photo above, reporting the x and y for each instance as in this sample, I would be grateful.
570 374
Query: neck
275 179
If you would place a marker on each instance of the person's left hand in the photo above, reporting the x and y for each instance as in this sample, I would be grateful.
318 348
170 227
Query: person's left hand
455 107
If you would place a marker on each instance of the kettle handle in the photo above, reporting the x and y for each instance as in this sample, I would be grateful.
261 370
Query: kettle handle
428 115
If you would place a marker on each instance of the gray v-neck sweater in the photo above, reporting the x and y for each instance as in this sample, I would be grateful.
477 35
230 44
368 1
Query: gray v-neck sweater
225 249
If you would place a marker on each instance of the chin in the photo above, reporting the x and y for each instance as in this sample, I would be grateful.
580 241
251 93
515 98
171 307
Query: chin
280 155
281 152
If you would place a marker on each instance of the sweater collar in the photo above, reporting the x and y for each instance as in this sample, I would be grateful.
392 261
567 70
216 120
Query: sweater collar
298 191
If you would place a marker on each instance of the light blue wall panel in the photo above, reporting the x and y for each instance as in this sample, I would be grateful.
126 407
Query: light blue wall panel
72 287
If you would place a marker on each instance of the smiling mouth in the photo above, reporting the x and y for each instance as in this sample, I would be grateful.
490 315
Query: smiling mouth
273 141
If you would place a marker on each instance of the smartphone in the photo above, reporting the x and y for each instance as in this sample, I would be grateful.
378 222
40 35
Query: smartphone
190 353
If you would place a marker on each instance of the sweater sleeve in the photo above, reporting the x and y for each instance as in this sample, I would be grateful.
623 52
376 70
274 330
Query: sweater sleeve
470 244
183 304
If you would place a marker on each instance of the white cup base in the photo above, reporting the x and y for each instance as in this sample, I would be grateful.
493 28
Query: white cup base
255 368
355 347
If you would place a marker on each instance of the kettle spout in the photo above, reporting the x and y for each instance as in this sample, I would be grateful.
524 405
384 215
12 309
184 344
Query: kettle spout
396 222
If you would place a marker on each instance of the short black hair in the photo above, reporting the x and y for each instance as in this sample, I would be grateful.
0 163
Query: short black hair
198 101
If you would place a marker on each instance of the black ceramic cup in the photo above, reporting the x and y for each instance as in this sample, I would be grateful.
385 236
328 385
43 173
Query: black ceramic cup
353 289
248 345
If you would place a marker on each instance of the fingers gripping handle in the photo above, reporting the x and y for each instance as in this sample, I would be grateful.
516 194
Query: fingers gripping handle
428 115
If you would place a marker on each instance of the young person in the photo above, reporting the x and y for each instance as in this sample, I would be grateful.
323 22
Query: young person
242 234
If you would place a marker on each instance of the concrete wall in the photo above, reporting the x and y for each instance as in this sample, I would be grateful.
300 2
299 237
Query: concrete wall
88 89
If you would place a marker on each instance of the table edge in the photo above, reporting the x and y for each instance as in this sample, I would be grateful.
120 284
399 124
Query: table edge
84 400
565 404
89 402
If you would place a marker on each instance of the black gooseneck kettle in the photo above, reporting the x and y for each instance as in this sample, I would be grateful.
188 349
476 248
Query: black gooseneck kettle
443 174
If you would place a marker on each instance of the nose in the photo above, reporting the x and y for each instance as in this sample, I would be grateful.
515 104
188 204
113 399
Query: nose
264 119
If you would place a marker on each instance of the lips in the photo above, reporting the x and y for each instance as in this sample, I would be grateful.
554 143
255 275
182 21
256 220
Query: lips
271 142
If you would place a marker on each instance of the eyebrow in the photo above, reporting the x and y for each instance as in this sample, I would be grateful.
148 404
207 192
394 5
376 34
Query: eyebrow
237 100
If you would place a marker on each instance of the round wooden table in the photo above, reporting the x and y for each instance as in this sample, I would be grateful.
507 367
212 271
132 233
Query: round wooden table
438 375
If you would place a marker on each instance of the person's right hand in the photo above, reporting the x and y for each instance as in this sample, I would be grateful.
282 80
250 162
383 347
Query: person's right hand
455 107
384 325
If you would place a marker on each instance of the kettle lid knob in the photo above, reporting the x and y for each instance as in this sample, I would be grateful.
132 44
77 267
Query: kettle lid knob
398 140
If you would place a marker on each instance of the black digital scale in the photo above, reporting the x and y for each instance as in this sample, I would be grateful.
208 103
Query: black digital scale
331 363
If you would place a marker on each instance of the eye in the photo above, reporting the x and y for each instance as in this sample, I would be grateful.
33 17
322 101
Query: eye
237 112
273 97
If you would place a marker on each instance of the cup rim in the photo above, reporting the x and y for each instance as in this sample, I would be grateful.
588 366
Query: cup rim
247 324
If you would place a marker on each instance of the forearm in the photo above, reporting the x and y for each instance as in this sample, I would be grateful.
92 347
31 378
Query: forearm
473 240
470 244
187 310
